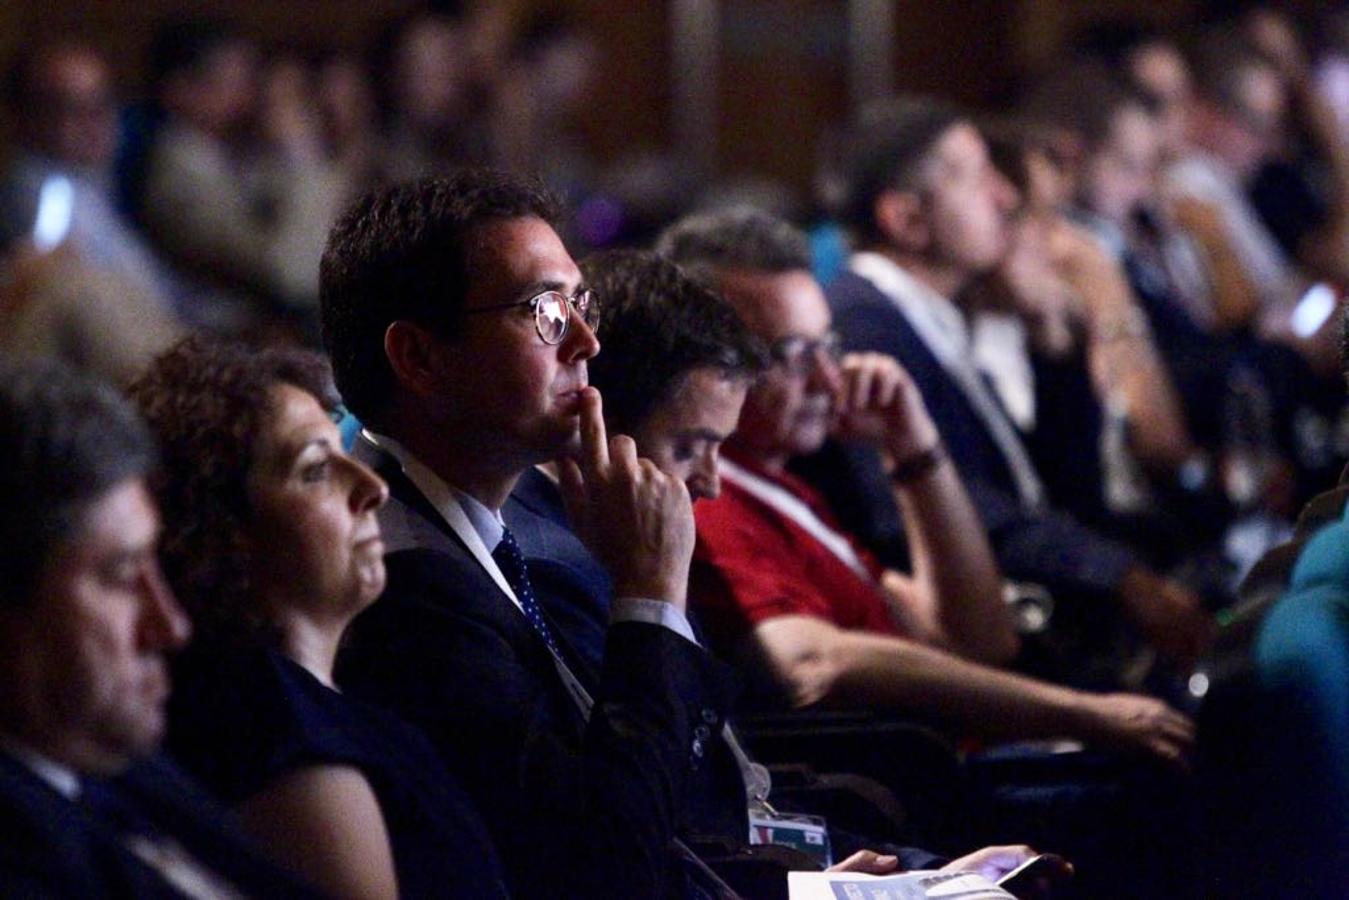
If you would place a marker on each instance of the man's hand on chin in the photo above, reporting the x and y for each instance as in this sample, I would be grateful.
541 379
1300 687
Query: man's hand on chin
636 519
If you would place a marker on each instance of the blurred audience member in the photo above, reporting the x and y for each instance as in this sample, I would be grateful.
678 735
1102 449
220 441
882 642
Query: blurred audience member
245 211
1126 410
547 78
930 214
274 547
82 285
428 98
86 624
347 107
1222 297
1299 189
1142 280
1148 60
1240 120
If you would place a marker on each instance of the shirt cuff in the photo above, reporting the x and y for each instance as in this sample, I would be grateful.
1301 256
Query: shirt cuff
652 612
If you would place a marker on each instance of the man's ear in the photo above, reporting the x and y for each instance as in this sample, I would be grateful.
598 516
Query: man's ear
900 220
418 357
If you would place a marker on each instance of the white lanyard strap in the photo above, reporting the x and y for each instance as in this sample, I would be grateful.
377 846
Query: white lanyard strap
783 501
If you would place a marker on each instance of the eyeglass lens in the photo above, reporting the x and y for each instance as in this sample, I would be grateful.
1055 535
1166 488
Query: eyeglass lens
799 354
552 314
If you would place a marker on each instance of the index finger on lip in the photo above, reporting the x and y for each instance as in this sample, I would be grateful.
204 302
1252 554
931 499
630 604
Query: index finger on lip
594 437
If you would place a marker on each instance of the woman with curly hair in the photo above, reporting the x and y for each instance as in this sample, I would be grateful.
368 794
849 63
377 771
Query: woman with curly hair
271 543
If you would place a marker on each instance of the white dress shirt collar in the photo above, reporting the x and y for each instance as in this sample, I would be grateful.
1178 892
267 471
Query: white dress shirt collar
487 523
62 779
939 322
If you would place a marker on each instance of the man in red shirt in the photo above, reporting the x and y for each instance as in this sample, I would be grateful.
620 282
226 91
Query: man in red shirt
780 583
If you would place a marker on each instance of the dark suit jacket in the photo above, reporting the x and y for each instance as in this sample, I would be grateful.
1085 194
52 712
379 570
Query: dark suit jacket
576 809
577 593
573 587
1048 546
53 847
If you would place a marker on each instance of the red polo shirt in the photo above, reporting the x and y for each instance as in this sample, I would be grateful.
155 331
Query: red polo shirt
753 563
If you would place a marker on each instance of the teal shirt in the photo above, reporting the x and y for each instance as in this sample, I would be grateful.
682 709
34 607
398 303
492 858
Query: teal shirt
1302 666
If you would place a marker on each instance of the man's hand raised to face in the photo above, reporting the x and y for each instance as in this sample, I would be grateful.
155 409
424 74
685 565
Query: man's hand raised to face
636 519
880 404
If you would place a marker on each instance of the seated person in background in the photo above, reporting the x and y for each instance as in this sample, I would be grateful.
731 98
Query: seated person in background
1103 425
780 584
1275 731
86 624
1214 290
676 364
84 286
1118 140
459 329
930 214
273 545
1173 278
1241 113
426 71
64 104
1301 795
247 220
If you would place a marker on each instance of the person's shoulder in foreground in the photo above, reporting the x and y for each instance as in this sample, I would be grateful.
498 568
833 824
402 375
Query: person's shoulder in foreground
86 624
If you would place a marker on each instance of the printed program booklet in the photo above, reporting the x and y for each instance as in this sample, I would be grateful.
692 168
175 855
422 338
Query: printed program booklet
907 886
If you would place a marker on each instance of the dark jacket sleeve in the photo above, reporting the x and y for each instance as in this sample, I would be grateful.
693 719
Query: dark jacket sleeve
1047 547
576 810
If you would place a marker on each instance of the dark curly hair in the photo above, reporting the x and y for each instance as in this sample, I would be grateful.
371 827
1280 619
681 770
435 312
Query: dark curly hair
68 440
206 402
406 253
659 324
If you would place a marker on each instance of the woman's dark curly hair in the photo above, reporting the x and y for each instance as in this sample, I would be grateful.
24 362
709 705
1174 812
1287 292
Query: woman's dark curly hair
206 403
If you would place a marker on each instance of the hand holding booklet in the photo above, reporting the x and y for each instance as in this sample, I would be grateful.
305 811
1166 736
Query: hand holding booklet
905 886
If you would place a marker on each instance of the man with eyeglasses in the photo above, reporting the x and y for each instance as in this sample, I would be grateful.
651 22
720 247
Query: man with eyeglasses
778 581
460 330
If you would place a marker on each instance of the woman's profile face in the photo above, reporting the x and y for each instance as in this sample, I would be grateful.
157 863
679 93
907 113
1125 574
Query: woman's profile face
313 538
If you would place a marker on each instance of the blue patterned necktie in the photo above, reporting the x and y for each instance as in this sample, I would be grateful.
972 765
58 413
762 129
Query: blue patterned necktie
512 564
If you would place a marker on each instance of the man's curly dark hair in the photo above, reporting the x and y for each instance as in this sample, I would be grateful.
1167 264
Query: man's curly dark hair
659 324
207 402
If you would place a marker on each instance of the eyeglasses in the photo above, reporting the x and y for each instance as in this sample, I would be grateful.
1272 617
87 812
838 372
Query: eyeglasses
552 312
799 355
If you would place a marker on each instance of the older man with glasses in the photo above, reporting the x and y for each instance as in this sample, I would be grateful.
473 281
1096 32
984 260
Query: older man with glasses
779 581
